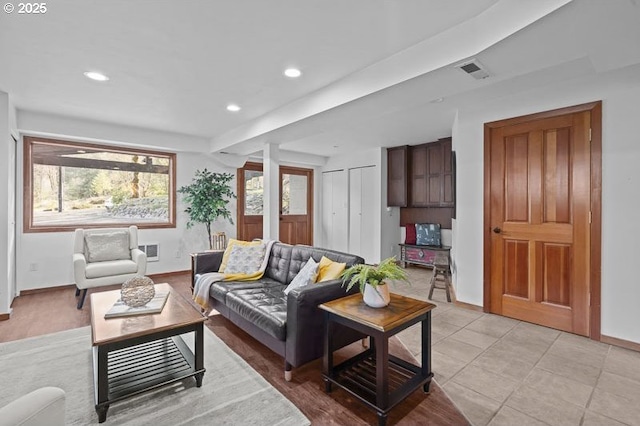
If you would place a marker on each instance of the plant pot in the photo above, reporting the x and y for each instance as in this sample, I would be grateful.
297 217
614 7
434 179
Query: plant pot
376 297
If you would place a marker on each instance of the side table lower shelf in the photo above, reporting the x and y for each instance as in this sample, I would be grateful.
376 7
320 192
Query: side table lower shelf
358 377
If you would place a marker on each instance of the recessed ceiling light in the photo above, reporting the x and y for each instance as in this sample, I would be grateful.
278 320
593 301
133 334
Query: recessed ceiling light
292 72
233 108
96 76
437 101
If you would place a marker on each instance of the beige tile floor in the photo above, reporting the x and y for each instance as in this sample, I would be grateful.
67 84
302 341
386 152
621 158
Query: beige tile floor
501 371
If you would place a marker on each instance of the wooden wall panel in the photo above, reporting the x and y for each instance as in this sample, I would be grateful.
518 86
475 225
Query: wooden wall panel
557 274
434 189
516 274
441 215
251 231
557 172
397 176
516 189
419 177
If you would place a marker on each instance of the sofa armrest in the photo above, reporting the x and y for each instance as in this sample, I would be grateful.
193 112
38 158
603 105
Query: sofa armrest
79 267
140 258
204 262
305 321
44 406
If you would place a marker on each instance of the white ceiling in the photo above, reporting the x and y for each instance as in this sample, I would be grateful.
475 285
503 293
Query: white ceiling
371 67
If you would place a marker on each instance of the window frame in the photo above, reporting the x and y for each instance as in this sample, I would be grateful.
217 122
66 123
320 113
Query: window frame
27 216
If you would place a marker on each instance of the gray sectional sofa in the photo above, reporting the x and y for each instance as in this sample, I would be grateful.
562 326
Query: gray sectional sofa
290 325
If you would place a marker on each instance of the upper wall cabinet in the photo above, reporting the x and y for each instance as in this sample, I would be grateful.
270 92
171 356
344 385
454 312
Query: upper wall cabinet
427 173
397 176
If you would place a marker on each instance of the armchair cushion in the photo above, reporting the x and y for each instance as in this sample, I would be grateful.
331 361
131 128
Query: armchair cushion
110 268
100 247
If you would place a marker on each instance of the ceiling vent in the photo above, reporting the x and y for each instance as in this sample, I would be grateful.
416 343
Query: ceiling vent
474 68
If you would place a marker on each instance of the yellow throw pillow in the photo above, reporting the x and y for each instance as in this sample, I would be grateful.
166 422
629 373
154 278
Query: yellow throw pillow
329 270
227 251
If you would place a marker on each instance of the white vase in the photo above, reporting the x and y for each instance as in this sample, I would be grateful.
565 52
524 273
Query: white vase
376 297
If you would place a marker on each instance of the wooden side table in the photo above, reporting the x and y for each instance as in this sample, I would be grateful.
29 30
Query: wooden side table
375 377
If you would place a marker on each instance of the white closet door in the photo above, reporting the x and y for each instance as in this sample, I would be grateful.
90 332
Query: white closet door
339 237
355 211
368 207
327 208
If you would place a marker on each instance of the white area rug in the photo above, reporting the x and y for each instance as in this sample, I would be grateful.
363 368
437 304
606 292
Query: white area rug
232 393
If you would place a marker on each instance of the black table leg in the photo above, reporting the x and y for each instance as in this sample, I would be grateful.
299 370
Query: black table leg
327 359
425 369
101 355
382 373
199 353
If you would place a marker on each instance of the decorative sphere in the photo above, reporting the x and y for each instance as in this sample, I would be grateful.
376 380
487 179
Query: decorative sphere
137 291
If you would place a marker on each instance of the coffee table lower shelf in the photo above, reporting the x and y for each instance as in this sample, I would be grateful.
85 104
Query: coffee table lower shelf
358 377
140 368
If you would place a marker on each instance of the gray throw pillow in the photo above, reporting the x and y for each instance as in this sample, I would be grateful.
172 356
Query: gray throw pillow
105 246
306 276
245 259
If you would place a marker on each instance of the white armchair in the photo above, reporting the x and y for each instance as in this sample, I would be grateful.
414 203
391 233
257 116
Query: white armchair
42 407
106 256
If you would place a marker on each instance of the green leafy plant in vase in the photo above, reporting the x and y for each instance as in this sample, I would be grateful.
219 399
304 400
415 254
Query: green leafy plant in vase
208 196
372 280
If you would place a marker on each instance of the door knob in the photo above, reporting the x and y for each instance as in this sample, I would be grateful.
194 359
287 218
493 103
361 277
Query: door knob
497 230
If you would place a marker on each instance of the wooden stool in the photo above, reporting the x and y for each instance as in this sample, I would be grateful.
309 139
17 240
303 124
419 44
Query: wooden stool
441 273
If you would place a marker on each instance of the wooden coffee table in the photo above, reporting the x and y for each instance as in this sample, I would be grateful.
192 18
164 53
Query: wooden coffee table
375 377
139 353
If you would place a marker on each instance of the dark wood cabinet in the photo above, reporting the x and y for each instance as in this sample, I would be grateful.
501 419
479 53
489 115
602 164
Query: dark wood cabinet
397 176
419 184
421 179
431 175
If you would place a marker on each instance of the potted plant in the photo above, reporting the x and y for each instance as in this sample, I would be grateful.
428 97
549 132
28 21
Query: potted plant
373 279
208 196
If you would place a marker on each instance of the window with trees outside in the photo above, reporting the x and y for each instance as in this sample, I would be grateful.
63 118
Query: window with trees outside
69 185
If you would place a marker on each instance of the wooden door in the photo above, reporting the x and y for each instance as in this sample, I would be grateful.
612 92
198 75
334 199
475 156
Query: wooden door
250 201
296 205
538 236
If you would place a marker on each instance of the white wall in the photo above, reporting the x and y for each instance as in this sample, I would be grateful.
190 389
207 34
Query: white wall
51 251
5 194
619 92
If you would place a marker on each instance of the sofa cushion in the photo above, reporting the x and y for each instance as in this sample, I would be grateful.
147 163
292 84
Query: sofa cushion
110 267
264 307
306 276
233 243
300 254
245 259
329 270
278 266
220 289
100 247
428 234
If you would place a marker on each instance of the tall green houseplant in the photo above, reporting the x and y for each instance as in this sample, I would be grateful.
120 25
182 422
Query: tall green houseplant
207 197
